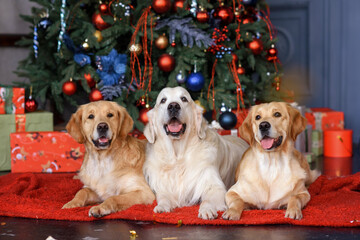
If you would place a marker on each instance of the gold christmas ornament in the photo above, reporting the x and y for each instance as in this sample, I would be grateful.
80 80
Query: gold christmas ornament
162 42
237 12
85 45
135 48
98 35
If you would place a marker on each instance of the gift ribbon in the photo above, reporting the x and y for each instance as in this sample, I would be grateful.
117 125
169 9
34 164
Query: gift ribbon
20 122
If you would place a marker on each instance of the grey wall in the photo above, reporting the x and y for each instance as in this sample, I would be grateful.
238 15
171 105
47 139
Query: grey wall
319 48
12 24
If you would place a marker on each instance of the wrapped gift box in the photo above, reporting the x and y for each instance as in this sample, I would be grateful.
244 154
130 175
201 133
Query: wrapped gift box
317 146
45 152
240 115
233 132
325 119
12 100
36 121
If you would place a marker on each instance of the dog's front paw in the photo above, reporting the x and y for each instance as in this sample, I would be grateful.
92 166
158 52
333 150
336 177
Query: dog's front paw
231 214
294 213
161 209
99 211
73 204
207 212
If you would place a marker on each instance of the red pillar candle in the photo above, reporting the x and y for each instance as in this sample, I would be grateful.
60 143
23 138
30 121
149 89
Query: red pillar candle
338 143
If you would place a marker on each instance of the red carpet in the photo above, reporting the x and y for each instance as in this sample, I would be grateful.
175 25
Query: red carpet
334 202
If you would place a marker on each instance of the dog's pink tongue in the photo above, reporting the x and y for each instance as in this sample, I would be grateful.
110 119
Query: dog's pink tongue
174 127
103 140
267 143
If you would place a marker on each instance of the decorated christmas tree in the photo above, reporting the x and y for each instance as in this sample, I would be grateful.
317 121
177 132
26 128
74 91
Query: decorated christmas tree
126 51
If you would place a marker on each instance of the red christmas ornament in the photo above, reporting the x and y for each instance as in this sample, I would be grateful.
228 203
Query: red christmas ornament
141 102
104 8
235 58
173 44
256 46
161 6
240 70
225 14
30 104
90 81
178 4
202 16
247 20
69 88
166 62
95 95
272 53
99 22
143 115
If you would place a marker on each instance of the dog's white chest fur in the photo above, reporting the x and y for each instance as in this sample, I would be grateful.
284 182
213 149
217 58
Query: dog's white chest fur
275 180
177 179
96 174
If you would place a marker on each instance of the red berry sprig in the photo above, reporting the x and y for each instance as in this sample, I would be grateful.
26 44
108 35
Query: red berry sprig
219 37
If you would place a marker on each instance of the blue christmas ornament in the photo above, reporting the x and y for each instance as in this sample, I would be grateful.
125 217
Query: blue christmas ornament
195 82
227 120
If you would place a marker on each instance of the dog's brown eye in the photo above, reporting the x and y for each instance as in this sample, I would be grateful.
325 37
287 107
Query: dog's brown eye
258 117
91 116
109 115
277 114
184 99
163 100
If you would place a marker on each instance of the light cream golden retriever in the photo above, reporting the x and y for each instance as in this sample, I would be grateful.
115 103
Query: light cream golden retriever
272 173
186 162
112 167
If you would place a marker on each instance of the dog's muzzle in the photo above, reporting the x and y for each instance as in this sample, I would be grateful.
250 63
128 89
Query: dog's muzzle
102 141
174 127
267 142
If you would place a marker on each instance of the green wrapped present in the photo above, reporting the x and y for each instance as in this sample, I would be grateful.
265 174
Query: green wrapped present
9 123
317 142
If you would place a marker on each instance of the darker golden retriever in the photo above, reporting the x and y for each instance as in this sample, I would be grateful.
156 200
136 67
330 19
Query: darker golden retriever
112 167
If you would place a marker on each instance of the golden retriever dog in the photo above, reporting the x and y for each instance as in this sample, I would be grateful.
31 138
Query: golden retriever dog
186 162
112 167
272 173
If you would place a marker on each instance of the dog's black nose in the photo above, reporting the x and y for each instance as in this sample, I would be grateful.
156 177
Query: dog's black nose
173 108
264 126
102 127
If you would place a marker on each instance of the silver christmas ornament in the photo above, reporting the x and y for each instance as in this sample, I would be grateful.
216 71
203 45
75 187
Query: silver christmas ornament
180 78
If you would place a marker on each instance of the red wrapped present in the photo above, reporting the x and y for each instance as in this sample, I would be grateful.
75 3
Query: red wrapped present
325 119
12 100
240 115
233 132
45 152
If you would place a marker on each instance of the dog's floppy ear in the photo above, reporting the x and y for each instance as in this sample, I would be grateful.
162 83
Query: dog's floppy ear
246 131
126 122
74 126
149 131
297 122
199 126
